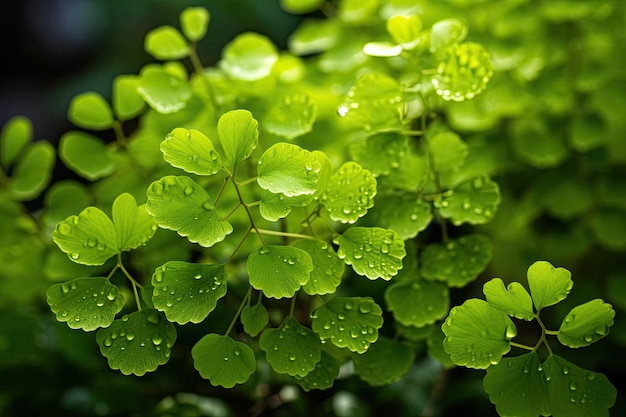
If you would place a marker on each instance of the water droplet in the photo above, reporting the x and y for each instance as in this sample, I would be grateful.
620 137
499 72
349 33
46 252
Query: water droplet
348 305
158 277
130 336
565 370
357 254
264 250
157 339
74 256
108 341
572 386
65 288
112 295
198 276
292 357
365 308
188 190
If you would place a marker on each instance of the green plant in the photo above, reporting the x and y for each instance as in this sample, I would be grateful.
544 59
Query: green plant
320 208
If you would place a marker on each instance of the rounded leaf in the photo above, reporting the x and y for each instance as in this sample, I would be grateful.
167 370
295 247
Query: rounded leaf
138 342
133 225
381 152
278 206
474 202
223 361
322 376
586 324
548 285
417 302
194 21
239 134
85 303
254 319
350 193
290 117
166 43
32 172
447 32
164 91
17 132
288 169
514 300
448 151
187 292
351 322
91 111
328 268
279 271
127 103
191 151
404 213
405 29
301 6
384 362
86 155
249 57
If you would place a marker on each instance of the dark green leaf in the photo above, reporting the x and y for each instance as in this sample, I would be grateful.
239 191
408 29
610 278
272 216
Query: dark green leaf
384 362
417 302
279 271
474 201
223 361
327 268
254 319
322 376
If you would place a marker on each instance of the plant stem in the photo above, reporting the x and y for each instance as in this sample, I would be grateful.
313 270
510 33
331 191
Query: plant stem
238 313
133 282
292 307
283 234
522 346
247 208
199 70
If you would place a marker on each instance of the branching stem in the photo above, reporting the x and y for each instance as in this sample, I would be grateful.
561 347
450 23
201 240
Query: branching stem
283 234
244 302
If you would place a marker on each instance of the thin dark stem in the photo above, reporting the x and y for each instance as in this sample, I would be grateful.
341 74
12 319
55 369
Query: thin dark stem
239 310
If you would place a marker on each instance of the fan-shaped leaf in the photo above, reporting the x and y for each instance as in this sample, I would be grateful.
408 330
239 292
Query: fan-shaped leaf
194 22
327 268
85 303
548 285
288 169
384 362
192 151
291 117
475 202
350 193
166 43
254 319
279 271
187 292
33 171
405 30
127 103
404 213
322 376
133 225
381 152
249 57
239 134
586 324
514 300
447 32
278 206
16 134
91 111
86 155
164 91
448 151
417 303
223 361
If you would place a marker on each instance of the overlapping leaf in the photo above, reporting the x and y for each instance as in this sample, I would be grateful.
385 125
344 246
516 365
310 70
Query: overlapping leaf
133 225
372 251
85 303
350 193
322 376
328 268
448 151
178 203
223 361
351 322
404 213
32 171
417 302
138 342
384 362
381 152
291 117
187 292
192 151
288 169
249 57
277 206
254 319
514 300
165 91
475 202
279 271
127 103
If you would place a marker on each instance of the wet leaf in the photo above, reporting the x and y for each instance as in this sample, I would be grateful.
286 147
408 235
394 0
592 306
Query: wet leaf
223 361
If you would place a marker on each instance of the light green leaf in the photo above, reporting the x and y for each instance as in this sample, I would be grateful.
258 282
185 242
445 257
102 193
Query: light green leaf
382 49
463 71
249 57
381 152
447 32
417 302
254 319
64 198
350 193
474 202
180 204
85 154
372 251
223 361
477 334
586 324
448 151
327 269
166 43
514 300
288 169
404 213
88 238
278 206
301 6
17 132
384 362
187 292
85 303
351 322
290 117
133 225
405 30
191 151
322 376
279 271
91 111
548 285
314 36
325 172
374 103
164 91
524 387
138 342
239 134
127 103
292 348
33 171
194 22
458 261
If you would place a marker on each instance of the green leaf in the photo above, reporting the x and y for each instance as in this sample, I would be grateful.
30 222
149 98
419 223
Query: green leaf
384 362
381 152
88 238
548 285
87 155
313 36
609 228
133 225
514 300
301 6
322 376
474 202
477 334
586 324
249 57
382 49
290 117
372 251
537 145
523 387
350 193
351 322
127 103
447 32
448 151
64 198
191 151
417 302
278 206
374 103
187 292
166 43
292 348
180 204
458 261
279 271
91 111
404 213
325 172
254 319
288 169
327 269
239 134
85 303
463 71
17 132
138 342
33 171
164 91
194 22
223 361
405 30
